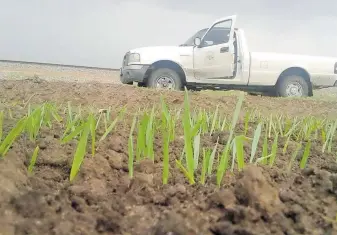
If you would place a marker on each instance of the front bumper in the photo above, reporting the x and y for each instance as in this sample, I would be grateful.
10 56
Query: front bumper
133 73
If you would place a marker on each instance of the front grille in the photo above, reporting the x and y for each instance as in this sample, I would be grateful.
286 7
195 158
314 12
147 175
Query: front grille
126 59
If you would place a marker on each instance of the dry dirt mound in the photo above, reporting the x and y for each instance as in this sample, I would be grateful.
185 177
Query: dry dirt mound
103 200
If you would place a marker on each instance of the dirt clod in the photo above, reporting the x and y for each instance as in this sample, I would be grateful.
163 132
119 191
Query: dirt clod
253 189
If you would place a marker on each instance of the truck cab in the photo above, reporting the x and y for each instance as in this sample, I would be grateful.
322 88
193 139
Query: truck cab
218 58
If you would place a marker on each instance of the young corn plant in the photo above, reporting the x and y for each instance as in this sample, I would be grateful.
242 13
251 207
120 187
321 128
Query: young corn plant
238 143
33 160
113 124
145 137
8 141
211 158
39 117
205 164
141 136
80 151
306 154
149 135
273 151
131 148
223 164
255 143
191 130
84 129
166 132
293 156
32 123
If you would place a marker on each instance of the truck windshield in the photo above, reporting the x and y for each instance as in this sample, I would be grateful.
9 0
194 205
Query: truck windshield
216 35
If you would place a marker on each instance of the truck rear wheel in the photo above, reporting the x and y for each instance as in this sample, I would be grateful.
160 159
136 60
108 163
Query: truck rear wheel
164 78
292 86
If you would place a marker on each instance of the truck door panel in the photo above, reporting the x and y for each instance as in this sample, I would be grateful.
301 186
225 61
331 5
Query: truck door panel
214 57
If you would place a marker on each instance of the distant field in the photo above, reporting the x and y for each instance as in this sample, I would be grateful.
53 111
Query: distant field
13 71
57 73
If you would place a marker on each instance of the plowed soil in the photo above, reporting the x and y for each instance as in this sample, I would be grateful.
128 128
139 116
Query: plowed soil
104 200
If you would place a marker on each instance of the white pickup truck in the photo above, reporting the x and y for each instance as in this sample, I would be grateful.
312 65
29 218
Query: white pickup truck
218 58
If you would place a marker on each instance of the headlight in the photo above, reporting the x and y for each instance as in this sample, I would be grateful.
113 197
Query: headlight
134 58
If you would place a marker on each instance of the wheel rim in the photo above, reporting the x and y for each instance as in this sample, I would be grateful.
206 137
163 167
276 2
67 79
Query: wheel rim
294 89
165 82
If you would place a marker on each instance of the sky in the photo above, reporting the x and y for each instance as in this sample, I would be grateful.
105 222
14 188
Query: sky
99 32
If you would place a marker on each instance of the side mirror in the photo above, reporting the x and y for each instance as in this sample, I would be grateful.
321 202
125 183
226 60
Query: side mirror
197 41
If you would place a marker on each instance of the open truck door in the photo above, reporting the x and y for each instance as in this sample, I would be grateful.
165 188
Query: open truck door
213 54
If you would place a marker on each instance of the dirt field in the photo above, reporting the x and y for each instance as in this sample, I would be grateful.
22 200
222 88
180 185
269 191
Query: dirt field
260 200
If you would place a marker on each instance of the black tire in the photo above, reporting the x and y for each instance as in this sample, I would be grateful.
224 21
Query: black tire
172 75
141 84
253 94
298 81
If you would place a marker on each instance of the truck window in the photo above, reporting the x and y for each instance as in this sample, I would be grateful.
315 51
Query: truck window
219 34
199 34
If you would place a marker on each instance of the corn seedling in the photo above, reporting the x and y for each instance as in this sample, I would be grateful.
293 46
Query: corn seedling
238 146
273 151
11 136
224 157
80 151
33 159
210 161
130 148
293 156
265 148
205 164
83 130
188 136
306 154
215 119
167 125
113 124
256 138
141 137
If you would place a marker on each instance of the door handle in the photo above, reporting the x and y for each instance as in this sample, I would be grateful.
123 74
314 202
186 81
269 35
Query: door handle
224 49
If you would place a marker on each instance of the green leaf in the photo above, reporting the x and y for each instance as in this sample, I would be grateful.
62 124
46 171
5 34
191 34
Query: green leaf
80 152
185 172
273 151
188 137
211 158
239 151
256 138
224 158
33 160
306 154
130 148
11 136
112 125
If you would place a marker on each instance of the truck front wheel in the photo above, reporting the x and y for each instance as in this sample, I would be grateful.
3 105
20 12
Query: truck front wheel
292 86
164 78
